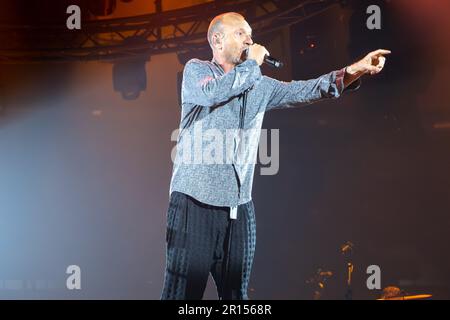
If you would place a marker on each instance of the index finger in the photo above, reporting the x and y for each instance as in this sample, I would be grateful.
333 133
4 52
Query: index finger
382 52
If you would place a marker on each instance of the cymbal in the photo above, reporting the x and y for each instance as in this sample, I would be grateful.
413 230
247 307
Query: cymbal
414 297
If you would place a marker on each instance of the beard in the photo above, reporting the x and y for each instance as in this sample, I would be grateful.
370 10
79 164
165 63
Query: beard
237 56
243 56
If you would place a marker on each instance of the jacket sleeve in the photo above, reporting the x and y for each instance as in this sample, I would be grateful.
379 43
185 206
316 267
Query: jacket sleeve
200 87
290 94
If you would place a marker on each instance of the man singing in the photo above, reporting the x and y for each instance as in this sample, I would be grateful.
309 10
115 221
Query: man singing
211 216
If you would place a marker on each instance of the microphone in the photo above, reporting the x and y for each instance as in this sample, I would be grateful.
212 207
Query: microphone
271 61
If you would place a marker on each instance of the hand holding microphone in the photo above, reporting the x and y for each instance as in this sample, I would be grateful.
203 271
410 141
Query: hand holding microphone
260 54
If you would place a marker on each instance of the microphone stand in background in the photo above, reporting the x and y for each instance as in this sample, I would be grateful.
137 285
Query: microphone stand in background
347 252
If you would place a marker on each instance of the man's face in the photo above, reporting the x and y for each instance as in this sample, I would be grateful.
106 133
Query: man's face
238 37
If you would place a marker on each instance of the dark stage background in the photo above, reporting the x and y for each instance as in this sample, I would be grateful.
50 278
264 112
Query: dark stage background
84 174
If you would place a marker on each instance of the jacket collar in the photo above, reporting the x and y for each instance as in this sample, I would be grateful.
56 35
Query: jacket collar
217 65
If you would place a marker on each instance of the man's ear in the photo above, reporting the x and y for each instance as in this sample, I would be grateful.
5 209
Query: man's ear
217 41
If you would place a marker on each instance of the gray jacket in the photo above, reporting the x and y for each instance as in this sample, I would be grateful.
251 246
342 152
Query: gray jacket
228 110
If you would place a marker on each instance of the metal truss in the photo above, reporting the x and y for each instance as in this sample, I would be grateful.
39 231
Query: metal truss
180 30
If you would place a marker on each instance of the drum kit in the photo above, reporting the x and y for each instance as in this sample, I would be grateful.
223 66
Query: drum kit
414 297
394 293
389 293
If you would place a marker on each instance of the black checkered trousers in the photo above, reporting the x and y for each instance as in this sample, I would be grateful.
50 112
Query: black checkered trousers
202 239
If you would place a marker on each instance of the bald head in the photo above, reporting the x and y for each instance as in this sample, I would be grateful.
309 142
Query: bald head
220 22
229 36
